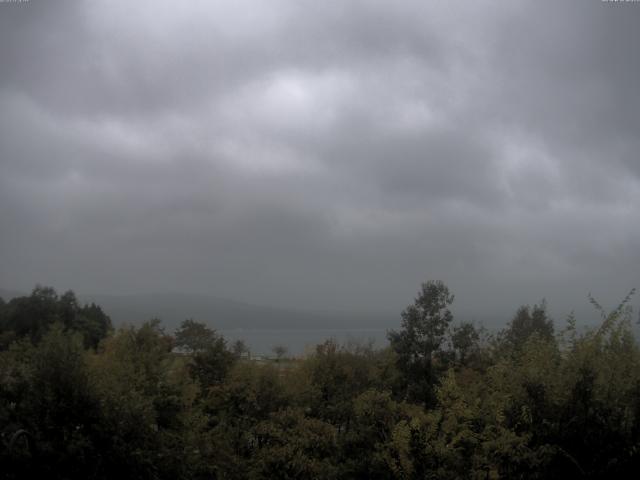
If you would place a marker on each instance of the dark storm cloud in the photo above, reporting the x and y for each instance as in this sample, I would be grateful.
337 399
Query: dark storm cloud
322 154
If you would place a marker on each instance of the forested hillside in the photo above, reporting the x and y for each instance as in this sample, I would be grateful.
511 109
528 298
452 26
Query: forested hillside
444 399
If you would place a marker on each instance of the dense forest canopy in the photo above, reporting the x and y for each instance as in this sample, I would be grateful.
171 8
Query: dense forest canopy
445 399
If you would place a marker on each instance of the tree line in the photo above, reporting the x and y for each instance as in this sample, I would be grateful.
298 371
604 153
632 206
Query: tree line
443 400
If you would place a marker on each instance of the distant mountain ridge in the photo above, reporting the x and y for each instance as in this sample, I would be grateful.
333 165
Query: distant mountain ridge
221 313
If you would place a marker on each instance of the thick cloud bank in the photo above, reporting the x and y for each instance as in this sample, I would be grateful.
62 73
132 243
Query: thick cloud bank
322 154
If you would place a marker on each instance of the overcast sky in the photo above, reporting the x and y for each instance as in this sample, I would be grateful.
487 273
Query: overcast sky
322 154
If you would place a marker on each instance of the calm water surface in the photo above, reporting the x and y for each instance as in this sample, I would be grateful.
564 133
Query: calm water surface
261 342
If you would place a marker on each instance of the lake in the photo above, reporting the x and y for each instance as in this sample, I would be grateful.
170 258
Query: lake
299 341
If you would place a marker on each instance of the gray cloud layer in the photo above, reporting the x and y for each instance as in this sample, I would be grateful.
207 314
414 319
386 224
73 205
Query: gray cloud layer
322 154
